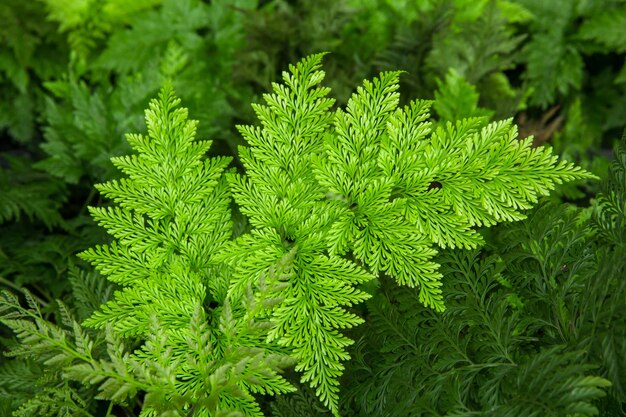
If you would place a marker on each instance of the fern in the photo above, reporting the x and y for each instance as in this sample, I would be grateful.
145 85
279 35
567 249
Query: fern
479 41
45 350
300 403
512 342
24 191
456 99
611 207
333 208
558 44
375 183
554 65
387 160
89 290
157 221
534 326
607 29
202 322
82 114
88 22
475 39
285 205
155 46
32 52
278 32
172 217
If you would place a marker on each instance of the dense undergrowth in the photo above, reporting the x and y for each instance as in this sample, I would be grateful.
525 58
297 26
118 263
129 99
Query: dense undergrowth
333 250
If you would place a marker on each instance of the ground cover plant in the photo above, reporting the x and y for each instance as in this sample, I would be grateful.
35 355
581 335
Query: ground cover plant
334 199
334 249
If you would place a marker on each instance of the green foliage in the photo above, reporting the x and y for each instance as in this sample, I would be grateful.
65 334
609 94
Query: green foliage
287 208
172 216
474 39
457 99
375 182
532 327
523 56
171 207
31 53
565 40
611 203
553 65
79 140
337 201
334 198
200 352
88 22
33 381
85 122
280 32
607 29
27 192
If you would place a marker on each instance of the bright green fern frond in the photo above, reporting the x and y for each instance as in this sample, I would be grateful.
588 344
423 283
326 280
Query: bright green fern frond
396 186
358 168
202 352
353 149
377 184
286 204
169 202
308 324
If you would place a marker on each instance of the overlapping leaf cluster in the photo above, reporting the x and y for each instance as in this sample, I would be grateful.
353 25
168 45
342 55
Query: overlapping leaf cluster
75 75
200 353
334 199
534 325
372 182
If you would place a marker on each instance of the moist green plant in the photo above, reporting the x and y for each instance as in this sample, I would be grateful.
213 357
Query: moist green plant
375 183
610 212
534 324
88 110
67 102
203 318
172 216
31 53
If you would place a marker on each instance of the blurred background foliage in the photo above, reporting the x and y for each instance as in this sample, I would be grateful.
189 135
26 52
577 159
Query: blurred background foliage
76 75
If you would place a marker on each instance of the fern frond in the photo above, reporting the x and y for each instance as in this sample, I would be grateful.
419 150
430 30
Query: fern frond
24 191
390 176
373 182
53 350
160 241
455 99
202 351
554 65
286 205
606 28
88 289
610 215
482 356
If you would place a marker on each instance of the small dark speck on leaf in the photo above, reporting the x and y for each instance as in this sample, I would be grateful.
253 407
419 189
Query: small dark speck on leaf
435 185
